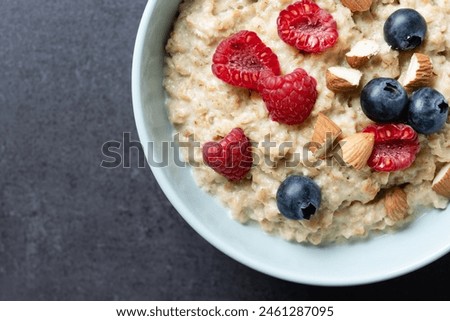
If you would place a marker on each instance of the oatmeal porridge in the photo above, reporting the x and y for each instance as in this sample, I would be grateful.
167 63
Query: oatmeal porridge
355 198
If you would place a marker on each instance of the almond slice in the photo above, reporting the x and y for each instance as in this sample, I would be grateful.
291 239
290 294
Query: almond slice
357 5
396 204
419 73
340 79
326 132
441 183
357 148
362 52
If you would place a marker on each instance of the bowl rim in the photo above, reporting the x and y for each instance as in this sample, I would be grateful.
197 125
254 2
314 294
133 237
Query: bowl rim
199 227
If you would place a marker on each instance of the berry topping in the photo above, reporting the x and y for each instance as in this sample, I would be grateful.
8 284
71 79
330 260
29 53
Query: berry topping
289 98
298 198
384 100
396 147
231 157
428 111
405 29
239 59
307 27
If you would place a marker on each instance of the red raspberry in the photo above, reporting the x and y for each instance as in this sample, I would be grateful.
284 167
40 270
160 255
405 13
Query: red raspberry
289 98
240 58
307 27
396 147
231 157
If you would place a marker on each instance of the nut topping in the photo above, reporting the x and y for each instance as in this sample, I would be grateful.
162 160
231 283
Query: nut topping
357 5
326 132
441 183
419 73
362 52
341 79
357 148
396 204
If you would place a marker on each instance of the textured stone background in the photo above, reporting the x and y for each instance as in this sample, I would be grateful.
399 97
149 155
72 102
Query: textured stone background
72 230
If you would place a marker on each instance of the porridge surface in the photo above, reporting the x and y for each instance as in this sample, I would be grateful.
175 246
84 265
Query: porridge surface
205 108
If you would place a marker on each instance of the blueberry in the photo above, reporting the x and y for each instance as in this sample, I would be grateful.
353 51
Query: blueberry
298 198
405 29
384 100
428 111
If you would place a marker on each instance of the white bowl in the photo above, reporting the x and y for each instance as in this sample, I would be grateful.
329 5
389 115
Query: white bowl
376 259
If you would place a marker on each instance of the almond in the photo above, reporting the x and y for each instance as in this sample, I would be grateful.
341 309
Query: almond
362 52
396 204
341 79
441 183
357 148
357 5
326 132
419 73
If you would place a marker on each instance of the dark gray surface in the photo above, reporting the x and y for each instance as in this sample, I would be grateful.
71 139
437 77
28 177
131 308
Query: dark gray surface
70 229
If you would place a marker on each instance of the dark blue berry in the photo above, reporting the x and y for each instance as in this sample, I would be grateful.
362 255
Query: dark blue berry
428 111
298 198
405 29
384 100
